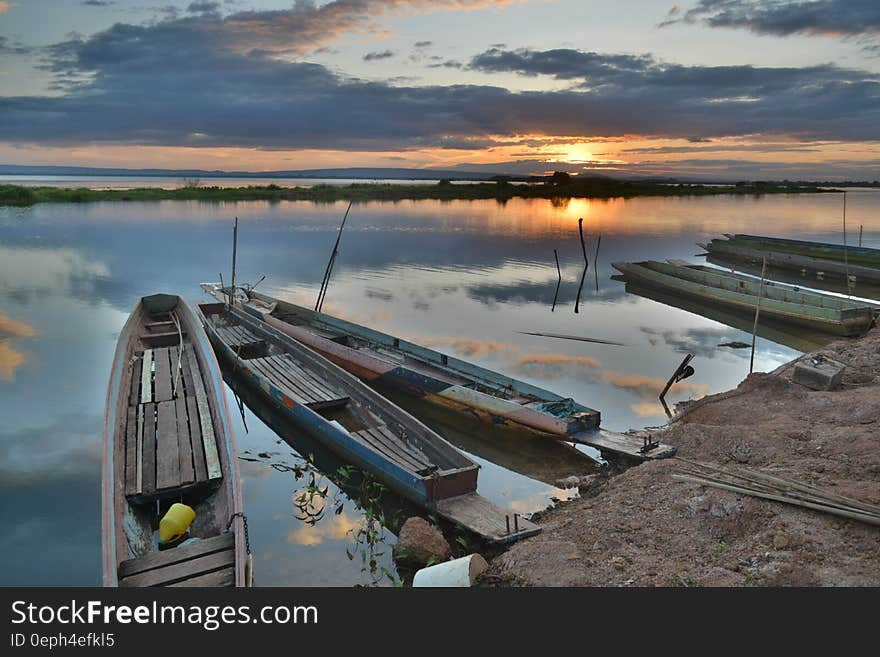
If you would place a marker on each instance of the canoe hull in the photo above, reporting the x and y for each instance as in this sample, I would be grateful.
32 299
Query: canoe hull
424 491
123 536
846 322
536 418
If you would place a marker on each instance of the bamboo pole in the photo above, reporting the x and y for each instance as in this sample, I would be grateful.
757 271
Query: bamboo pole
577 302
757 314
558 280
325 283
234 255
800 486
867 518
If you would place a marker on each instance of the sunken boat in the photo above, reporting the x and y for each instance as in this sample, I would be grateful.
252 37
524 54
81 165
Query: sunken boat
785 303
172 510
858 263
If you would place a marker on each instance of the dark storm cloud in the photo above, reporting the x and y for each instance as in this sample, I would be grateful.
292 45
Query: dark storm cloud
98 3
203 7
8 47
783 18
177 83
378 55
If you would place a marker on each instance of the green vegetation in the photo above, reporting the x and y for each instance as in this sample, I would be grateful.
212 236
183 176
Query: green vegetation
555 187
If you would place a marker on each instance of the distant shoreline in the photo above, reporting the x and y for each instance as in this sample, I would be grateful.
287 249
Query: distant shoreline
19 195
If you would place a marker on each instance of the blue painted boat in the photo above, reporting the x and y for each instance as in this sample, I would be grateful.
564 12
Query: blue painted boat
415 370
356 422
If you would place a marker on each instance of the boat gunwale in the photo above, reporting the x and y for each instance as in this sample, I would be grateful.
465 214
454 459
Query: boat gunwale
114 500
447 451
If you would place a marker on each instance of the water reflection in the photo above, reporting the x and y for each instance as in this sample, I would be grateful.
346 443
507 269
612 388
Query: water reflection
464 276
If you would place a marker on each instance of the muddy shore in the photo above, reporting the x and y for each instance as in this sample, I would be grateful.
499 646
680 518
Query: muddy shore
641 528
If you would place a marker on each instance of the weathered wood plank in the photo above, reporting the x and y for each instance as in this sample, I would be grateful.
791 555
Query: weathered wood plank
209 439
135 374
147 377
290 366
184 444
224 577
149 449
162 382
485 518
200 470
167 449
139 470
180 571
393 454
297 392
155 560
131 450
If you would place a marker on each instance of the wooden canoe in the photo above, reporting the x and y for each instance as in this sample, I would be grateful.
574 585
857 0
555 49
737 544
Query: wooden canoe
168 438
416 370
860 263
789 304
356 422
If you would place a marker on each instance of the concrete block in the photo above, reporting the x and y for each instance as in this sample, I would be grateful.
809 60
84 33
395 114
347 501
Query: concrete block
819 373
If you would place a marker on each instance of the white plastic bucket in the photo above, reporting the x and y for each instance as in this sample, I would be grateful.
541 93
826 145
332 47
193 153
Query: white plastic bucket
458 572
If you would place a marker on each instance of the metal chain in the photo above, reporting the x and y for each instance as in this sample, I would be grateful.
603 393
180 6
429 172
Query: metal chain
247 538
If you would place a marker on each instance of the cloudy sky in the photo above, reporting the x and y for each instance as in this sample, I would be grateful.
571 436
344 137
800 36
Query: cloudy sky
728 88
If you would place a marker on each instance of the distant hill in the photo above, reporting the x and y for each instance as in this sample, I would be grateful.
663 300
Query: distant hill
366 173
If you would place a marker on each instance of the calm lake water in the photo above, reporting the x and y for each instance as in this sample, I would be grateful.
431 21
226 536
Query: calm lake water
465 277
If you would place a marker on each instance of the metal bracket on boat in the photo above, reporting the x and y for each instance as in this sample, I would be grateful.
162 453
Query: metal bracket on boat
648 444
515 523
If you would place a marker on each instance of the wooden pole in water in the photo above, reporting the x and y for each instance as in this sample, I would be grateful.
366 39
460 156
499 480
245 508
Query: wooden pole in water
326 281
596 262
234 255
558 281
577 302
861 226
757 313
845 254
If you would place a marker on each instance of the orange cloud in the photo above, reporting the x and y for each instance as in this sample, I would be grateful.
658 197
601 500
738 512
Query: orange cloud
333 527
10 358
647 409
650 386
467 346
6 6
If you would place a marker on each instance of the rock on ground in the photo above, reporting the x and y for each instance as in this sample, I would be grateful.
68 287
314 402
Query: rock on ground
419 542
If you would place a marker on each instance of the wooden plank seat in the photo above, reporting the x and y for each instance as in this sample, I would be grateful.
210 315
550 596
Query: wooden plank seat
235 335
170 444
207 562
300 385
386 442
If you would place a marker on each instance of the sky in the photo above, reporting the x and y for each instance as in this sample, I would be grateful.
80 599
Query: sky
731 89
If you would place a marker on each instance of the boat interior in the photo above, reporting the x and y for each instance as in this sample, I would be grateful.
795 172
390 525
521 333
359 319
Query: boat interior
394 354
310 381
171 455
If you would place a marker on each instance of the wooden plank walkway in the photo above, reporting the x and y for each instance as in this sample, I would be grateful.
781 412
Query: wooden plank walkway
486 519
207 562
623 444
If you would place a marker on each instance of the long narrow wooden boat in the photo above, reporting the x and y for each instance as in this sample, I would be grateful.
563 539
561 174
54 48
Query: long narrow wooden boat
168 438
786 303
373 356
860 263
433 376
356 422
795 337
805 277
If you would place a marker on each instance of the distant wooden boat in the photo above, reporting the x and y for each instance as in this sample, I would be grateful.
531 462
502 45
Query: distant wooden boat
377 357
785 303
795 337
168 438
356 422
860 263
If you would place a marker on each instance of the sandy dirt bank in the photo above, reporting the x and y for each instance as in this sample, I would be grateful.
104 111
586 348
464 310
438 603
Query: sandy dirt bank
641 528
